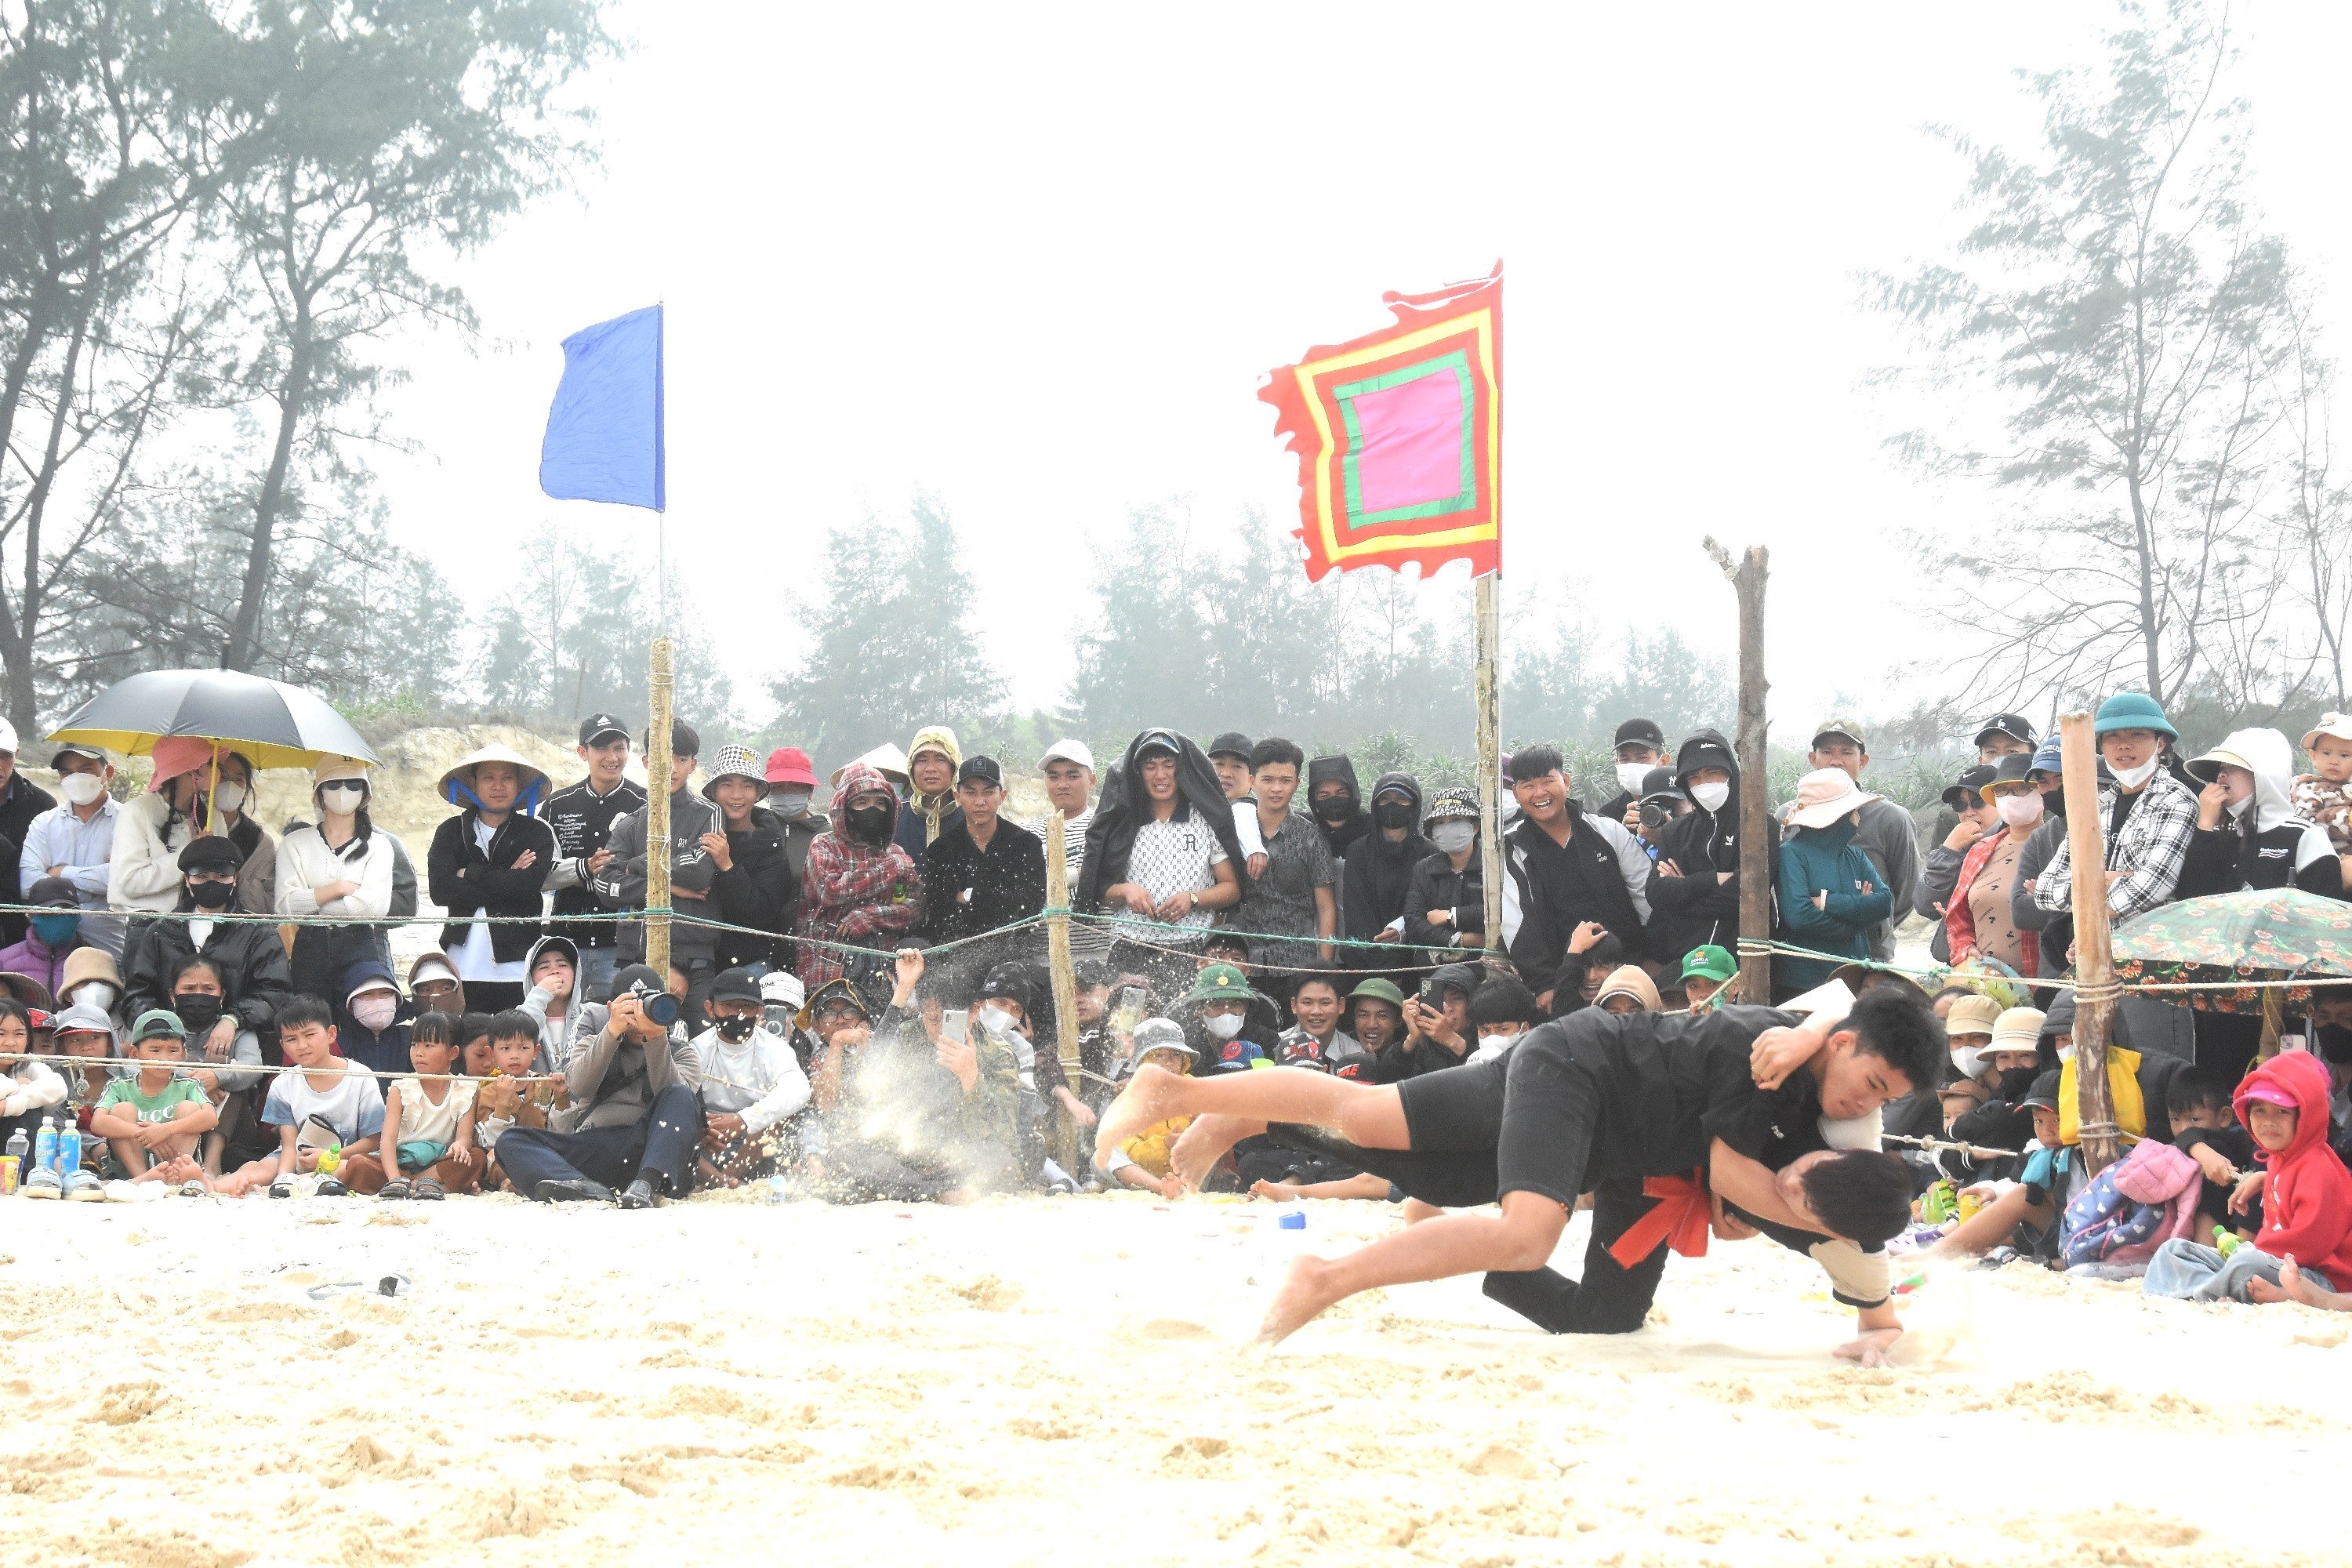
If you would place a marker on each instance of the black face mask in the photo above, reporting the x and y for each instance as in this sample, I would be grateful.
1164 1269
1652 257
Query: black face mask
212 895
1392 814
737 1028
870 823
1334 810
197 1011
2017 1082
2335 1043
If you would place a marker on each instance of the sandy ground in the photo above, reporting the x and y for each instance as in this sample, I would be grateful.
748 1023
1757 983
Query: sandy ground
1071 1382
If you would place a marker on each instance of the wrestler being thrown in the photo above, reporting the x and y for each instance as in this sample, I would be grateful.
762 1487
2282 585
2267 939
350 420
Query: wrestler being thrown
1675 1124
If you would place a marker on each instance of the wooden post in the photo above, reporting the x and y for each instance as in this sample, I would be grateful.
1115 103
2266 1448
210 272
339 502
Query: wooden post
2097 995
1758 844
1486 688
1065 983
658 813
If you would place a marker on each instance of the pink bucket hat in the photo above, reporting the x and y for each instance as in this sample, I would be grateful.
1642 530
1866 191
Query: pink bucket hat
177 755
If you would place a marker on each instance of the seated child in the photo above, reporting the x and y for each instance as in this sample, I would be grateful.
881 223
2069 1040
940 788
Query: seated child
513 1095
2306 1196
155 1119
1143 1160
428 1124
2323 796
321 1102
752 1084
85 1038
2207 1130
32 1090
473 1033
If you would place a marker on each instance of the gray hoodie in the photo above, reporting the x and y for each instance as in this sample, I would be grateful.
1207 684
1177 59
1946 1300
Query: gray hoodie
614 1082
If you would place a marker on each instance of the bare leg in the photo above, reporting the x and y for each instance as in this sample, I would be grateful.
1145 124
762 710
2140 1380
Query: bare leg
1990 1226
1368 1115
1357 1186
1519 1239
2294 1287
1416 1211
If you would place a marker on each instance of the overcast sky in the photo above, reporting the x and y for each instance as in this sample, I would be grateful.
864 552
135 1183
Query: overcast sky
1035 261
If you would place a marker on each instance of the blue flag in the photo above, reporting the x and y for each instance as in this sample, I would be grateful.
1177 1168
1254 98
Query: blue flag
604 429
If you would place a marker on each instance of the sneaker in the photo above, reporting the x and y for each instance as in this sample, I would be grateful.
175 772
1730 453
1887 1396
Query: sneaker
81 1187
42 1184
580 1191
640 1194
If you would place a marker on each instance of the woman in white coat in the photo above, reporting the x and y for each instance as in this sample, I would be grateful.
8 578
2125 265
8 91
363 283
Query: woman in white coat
342 869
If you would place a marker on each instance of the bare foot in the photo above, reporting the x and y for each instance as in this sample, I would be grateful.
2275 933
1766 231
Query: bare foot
2261 1292
1309 1288
1146 1099
1416 1211
1274 1191
1208 1140
2291 1277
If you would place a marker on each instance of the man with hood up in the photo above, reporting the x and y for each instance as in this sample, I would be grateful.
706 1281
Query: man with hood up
1161 848
861 888
1379 871
934 760
1338 803
554 999
1695 887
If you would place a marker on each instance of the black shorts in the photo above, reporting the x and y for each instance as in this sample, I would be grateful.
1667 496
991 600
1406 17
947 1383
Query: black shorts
1522 1123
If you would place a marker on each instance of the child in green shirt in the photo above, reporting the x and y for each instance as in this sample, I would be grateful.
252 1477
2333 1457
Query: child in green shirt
153 1119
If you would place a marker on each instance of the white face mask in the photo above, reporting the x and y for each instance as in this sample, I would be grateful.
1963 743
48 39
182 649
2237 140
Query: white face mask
98 994
1454 837
2019 810
1968 1059
1224 1025
1631 775
229 797
789 802
82 789
2066 1053
996 1020
376 1010
2132 778
342 800
1711 796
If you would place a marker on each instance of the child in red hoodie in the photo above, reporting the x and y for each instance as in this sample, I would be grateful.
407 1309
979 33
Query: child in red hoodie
2306 1195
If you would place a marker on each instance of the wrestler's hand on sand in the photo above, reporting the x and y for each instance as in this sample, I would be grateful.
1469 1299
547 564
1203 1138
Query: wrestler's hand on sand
1871 1348
1777 1053
1727 1226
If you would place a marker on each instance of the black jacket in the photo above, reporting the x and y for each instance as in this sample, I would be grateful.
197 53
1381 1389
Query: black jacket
2294 854
255 974
21 802
759 890
1436 885
488 884
1341 836
1696 909
1377 877
1120 809
1553 889
1006 881
582 821
798 833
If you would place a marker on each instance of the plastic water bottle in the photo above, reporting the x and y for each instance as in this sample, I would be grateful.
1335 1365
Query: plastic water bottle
68 1148
44 1146
12 1163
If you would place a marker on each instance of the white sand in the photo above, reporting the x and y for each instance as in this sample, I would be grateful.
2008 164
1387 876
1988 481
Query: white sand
1070 1383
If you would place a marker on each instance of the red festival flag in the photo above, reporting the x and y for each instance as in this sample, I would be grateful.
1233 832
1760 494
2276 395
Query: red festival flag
1399 435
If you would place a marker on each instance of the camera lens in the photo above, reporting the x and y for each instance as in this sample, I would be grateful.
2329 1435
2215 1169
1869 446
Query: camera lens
662 1008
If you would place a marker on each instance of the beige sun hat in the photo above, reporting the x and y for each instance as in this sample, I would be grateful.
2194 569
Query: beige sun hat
1826 794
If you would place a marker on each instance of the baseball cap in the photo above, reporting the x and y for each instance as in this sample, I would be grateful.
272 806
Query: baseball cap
2050 757
1068 751
791 765
53 893
1231 744
2016 726
1844 729
1709 963
598 728
2266 1091
7 737
1642 732
2044 1092
1009 980
735 985
979 767
70 749
1965 790
158 1024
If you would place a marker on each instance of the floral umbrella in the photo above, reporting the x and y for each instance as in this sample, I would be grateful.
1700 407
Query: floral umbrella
2254 935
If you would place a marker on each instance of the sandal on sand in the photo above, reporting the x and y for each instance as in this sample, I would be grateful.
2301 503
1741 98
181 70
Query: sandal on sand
193 1189
392 1192
283 1187
430 1191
